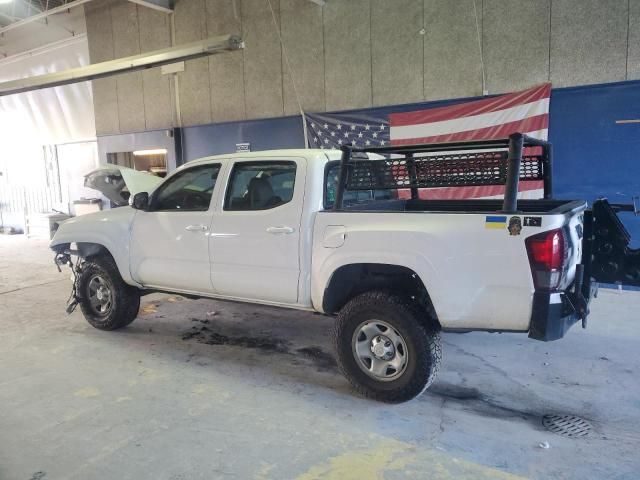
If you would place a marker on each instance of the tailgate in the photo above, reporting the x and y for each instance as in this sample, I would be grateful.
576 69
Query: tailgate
574 233
607 255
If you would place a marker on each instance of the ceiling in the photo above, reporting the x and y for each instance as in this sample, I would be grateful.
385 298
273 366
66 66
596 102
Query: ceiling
29 24
20 9
62 24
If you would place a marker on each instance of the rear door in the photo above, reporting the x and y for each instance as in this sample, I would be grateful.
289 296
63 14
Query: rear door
255 236
169 243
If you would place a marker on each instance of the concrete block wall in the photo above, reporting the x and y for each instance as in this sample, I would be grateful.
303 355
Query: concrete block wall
353 54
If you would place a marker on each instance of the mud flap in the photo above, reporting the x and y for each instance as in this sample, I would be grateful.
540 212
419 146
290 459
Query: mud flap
607 255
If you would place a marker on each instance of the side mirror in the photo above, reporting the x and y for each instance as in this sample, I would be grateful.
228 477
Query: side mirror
140 201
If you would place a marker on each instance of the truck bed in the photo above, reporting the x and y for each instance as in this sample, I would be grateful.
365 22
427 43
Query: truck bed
476 271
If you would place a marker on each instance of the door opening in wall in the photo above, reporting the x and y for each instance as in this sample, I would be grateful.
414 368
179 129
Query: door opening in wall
153 160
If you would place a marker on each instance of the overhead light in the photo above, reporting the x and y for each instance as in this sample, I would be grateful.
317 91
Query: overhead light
5 1
155 151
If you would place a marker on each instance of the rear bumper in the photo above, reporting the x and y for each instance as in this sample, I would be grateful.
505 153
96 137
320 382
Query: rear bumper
554 313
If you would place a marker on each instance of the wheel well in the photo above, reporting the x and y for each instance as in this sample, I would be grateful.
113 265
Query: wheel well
83 249
351 280
87 249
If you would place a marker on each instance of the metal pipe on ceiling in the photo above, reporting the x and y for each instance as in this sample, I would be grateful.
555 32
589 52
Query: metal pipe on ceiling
42 14
209 46
160 5
8 17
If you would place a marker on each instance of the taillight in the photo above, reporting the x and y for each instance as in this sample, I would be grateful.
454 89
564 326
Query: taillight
547 257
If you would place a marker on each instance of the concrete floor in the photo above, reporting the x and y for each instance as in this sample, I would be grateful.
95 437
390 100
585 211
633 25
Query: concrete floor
205 390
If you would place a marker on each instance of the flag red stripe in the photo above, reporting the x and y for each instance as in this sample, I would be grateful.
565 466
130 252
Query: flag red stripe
467 109
461 193
530 124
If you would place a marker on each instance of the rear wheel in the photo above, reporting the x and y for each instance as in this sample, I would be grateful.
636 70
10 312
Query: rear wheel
387 346
106 301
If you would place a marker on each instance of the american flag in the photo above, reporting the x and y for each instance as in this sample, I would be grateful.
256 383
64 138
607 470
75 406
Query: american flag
488 118
333 131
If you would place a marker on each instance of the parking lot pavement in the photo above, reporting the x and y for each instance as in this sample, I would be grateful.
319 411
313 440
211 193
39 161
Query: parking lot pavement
204 389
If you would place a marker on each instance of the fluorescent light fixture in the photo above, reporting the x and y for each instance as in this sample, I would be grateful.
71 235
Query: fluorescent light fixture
157 58
5 1
154 151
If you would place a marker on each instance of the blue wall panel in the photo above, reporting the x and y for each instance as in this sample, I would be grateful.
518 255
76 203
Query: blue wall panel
595 157
267 134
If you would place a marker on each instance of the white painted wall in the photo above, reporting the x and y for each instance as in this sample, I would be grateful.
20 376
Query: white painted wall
37 129
53 115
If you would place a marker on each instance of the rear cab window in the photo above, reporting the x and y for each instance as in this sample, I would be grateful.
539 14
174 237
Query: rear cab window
351 198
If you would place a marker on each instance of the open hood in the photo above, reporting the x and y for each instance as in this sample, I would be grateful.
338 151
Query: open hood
118 184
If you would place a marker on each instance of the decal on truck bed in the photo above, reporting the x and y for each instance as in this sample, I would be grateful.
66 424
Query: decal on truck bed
515 226
532 221
495 221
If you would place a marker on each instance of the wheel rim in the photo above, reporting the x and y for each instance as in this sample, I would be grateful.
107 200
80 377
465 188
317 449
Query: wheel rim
100 295
380 351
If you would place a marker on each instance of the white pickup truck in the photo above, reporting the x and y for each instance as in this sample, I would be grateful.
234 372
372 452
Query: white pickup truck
349 234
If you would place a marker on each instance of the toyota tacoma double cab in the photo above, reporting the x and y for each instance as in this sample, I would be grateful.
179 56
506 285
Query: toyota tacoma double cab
355 234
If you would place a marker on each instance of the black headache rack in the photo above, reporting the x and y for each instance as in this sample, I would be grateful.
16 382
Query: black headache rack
451 164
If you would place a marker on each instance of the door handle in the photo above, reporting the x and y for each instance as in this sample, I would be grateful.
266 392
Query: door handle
276 230
196 228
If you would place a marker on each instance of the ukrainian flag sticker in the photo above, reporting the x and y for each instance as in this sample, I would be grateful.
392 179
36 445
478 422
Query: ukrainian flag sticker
497 221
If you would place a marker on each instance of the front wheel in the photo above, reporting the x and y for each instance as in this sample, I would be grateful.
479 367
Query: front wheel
387 346
106 301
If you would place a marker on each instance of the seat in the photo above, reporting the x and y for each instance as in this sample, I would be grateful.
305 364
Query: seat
261 194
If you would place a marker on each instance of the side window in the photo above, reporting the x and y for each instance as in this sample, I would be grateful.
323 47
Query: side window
190 190
260 185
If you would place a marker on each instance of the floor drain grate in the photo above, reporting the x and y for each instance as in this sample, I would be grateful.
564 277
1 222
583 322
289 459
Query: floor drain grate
567 425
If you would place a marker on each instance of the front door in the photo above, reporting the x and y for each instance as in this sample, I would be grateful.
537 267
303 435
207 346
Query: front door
169 243
255 237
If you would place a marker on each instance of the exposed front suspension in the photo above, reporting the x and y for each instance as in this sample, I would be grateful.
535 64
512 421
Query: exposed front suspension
62 259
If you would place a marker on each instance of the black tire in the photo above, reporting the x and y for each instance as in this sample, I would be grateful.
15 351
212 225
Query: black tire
123 300
411 323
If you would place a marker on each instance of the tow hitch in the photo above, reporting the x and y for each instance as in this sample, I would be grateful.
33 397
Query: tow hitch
577 298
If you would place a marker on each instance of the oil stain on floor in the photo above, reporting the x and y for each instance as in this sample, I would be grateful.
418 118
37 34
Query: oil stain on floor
203 332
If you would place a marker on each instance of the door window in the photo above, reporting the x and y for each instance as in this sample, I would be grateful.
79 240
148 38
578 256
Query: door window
189 190
260 185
